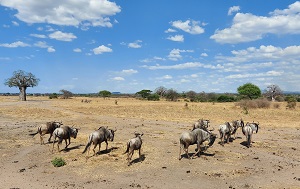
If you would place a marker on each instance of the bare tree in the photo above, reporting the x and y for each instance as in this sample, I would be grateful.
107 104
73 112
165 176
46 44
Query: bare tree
273 91
161 91
66 94
22 80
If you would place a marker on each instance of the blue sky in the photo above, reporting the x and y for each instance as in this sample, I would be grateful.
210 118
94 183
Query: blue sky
86 46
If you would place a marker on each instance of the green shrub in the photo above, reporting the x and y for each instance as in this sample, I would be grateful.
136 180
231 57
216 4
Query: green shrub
153 97
53 95
225 98
58 162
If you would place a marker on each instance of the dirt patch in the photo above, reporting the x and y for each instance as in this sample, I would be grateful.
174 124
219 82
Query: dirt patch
272 161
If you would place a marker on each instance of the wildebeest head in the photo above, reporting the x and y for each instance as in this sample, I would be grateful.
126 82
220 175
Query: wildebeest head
212 139
74 132
111 134
138 134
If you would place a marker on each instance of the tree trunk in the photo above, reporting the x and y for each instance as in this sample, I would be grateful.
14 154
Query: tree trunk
22 95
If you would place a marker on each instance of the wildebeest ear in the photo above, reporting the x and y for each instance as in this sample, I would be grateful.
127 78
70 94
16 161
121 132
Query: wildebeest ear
115 130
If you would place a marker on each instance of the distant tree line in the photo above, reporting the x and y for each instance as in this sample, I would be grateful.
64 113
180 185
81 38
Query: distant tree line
23 80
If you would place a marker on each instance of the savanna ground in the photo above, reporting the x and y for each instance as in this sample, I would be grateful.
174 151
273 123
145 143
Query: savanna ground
272 161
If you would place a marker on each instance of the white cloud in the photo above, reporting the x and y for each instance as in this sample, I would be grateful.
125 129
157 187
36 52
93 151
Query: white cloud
101 49
175 54
15 44
204 54
15 23
189 26
41 44
72 13
50 49
135 44
129 72
187 65
255 75
58 35
38 36
248 27
78 50
170 30
233 9
177 38
118 79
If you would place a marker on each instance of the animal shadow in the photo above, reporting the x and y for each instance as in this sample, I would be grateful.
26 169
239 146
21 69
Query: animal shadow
72 148
244 143
138 159
106 151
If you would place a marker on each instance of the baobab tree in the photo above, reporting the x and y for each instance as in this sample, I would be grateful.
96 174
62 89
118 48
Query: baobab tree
273 91
22 80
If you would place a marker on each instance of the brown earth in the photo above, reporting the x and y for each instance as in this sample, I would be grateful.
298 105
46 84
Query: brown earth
273 161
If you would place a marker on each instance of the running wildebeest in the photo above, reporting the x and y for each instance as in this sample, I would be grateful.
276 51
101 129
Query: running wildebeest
47 128
134 144
64 133
201 124
197 136
247 131
226 130
98 136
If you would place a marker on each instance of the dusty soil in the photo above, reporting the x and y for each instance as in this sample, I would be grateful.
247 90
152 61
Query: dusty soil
272 162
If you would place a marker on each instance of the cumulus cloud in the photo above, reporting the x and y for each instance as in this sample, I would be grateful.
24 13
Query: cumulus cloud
247 27
71 13
50 49
135 44
43 44
15 44
233 9
102 49
129 71
262 53
189 26
61 36
38 36
187 65
204 54
175 54
170 30
78 50
118 79
177 38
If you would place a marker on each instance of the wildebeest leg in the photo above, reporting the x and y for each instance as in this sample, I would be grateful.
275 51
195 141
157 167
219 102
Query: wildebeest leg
95 147
50 138
227 138
187 152
66 143
140 157
130 154
53 144
198 150
179 158
106 145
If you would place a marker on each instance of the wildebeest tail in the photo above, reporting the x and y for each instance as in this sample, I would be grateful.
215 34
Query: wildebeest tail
127 150
33 134
38 131
88 144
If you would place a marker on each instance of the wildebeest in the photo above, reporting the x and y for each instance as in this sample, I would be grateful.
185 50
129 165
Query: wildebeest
201 124
247 131
98 136
197 136
64 133
47 128
226 130
237 124
134 144
254 126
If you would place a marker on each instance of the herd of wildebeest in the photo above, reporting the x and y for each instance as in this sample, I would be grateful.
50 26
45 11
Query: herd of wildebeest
200 135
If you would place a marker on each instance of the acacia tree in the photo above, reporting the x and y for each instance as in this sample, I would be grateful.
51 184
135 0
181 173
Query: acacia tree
66 94
105 93
161 91
273 91
22 80
249 90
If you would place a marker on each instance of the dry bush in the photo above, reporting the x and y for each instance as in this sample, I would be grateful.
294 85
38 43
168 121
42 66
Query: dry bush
257 103
277 106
